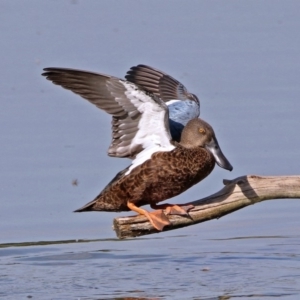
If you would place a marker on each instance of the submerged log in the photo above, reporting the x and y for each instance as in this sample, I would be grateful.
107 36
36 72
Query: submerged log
236 194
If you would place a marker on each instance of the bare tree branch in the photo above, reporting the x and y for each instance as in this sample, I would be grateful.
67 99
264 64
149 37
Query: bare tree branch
236 194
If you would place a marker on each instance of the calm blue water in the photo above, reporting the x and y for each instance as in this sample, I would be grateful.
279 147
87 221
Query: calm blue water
241 59
174 267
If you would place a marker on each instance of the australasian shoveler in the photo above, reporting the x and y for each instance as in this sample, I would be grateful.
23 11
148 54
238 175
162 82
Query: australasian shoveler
162 168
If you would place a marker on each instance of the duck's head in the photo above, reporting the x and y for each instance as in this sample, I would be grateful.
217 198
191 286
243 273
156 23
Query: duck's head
198 133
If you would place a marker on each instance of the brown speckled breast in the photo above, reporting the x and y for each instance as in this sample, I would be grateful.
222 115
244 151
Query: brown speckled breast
165 175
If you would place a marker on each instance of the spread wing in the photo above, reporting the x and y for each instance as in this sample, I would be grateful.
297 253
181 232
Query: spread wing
183 106
140 119
159 83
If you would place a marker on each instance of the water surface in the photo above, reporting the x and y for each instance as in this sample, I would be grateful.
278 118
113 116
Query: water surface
241 58
174 267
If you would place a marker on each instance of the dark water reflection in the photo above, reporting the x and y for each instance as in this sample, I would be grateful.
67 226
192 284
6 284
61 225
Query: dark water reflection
178 267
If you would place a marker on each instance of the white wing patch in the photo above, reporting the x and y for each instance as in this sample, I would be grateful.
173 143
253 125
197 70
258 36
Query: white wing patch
152 132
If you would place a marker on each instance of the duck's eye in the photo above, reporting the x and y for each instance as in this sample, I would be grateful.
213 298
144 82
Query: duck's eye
202 130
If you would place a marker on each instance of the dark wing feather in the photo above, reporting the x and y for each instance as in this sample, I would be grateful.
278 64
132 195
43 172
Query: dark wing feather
132 109
159 83
94 87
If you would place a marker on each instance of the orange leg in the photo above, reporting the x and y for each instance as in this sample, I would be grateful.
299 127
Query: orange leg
157 218
174 209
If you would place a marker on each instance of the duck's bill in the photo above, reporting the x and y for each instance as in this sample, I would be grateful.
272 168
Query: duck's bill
220 158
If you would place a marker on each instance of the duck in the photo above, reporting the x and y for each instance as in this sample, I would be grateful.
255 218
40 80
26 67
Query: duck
182 105
161 167
164 175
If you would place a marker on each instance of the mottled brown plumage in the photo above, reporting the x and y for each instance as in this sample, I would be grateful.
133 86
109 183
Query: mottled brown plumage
164 175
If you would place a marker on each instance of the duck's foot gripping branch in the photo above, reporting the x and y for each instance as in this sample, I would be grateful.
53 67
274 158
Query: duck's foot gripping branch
236 194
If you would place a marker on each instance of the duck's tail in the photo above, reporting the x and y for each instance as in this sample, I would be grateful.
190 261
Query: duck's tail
88 207
104 203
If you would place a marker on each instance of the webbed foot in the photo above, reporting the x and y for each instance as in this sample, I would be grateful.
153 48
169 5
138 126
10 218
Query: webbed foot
174 209
157 218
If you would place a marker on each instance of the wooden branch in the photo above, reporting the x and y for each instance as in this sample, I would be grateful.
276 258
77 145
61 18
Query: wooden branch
236 194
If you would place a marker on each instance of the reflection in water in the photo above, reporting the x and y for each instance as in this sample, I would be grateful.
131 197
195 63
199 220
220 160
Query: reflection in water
134 298
44 243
